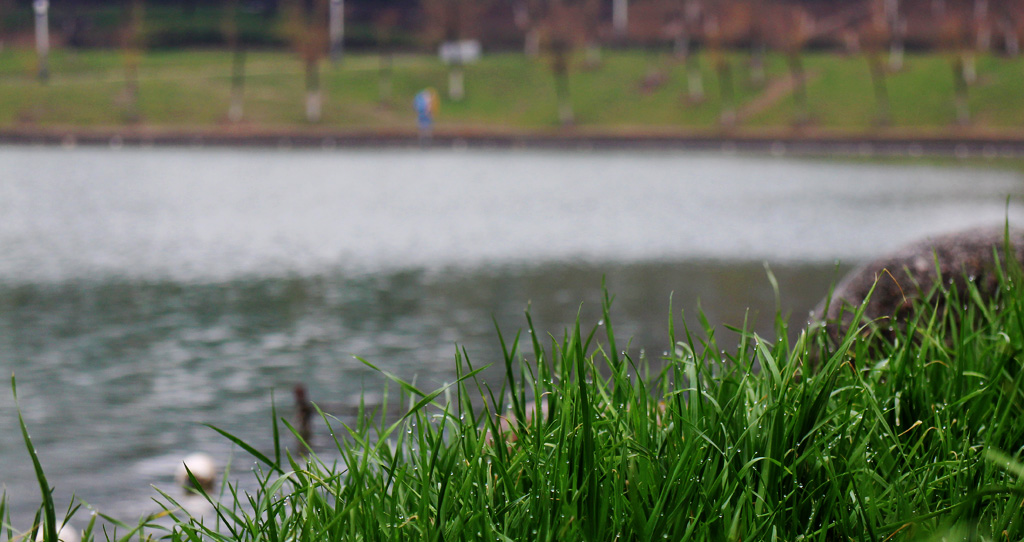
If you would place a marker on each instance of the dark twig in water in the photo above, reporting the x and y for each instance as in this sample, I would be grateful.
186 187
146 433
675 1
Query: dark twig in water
303 418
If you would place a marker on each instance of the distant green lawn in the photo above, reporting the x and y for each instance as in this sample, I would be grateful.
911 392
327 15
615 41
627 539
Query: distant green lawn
191 89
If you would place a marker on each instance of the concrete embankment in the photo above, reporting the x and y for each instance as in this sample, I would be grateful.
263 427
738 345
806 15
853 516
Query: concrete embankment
974 145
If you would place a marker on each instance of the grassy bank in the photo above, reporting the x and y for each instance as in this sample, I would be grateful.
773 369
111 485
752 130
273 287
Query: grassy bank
629 92
918 438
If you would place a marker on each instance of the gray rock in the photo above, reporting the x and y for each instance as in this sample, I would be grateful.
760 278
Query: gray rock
910 273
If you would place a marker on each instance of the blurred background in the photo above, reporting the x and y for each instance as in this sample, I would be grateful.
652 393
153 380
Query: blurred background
204 204
628 67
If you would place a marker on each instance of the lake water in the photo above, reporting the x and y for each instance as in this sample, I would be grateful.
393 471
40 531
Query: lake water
144 292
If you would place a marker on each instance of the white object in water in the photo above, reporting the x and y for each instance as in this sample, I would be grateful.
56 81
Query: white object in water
202 467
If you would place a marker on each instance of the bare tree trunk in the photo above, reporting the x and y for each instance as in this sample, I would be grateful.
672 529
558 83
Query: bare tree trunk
758 33
694 78
310 21
236 109
727 93
384 25
314 95
384 80
892 10
1011 41
799 79
132 57
456 82
591 15
4 7
963 112
531 42
130 94
757 56
565 113
881 90
560 68
236 105
336 29
531 34
592 58
970 67
896 46
984 36
681 43
897 30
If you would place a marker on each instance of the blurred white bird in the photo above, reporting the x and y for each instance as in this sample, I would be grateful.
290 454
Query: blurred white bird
203 469
66 533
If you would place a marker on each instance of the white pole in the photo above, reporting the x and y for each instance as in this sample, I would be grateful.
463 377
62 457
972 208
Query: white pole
336 28
620 17
42 8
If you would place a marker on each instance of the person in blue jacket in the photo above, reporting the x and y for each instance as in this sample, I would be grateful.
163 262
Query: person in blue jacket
426 103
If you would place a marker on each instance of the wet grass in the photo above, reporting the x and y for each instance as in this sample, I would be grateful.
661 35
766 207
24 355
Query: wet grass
915 438
191 89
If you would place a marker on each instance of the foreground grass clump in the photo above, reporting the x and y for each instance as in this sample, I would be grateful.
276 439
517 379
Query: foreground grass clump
916 438
920 437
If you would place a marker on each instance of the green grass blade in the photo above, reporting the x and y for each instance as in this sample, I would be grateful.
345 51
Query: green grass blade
49 512
248 449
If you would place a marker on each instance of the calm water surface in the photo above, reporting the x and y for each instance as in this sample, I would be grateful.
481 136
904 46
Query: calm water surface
146 291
